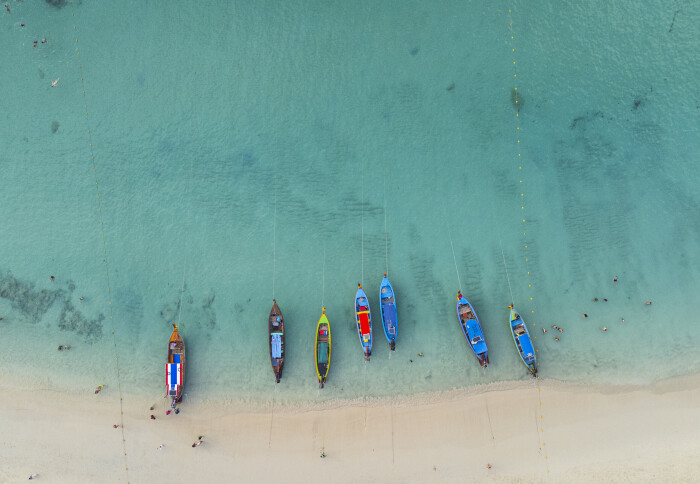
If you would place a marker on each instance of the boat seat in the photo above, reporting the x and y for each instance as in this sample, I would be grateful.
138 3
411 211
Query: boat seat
176 358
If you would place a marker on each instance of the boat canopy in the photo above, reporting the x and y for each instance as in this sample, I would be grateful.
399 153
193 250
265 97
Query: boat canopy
323 352
528 350
276 345
389 313
173 375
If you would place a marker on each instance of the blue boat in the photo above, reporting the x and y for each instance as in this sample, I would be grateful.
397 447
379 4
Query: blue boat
522 340
472 330
387 302
363 319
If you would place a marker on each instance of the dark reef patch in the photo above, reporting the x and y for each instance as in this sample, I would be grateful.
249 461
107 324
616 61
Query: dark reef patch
516 99
33 304
73 320
57 3
415 50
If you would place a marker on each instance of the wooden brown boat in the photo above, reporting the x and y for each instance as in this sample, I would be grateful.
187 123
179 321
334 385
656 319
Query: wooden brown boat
175 368
276 340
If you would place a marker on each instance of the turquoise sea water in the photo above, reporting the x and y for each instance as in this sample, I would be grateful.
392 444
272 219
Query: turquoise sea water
250 149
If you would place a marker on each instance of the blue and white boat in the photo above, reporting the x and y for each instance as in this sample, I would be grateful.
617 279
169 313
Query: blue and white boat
522 340
363 318
472 329
387 302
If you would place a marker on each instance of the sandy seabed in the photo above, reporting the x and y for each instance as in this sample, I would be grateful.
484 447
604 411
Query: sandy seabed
539 431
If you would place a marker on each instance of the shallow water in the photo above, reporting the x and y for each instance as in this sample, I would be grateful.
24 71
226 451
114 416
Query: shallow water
244 152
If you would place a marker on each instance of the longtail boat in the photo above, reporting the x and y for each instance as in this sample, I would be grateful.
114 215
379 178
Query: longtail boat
472 330
276 327
363 318
523 343
387 302
175 367
323 348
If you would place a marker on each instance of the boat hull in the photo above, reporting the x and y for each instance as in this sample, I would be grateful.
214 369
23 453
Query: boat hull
323 349
523 342
387 301
276 340
471 328
363 320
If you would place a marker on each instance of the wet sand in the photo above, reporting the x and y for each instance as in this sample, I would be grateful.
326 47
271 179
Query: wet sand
584 434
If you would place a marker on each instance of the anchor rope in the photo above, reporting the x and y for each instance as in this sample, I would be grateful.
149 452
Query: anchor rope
104 249
512 301
454 257
274 243
386 233
323 277
362 224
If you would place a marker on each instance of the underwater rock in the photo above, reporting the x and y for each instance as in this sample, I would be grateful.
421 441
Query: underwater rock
54 126
516 99
22 296
73 320
57 3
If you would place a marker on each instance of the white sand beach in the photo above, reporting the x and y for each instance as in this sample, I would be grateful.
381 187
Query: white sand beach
584 434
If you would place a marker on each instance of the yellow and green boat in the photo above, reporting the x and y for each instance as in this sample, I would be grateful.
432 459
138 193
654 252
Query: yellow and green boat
323 348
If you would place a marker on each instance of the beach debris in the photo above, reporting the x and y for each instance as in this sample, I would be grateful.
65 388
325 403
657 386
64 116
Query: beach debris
53 84
98 389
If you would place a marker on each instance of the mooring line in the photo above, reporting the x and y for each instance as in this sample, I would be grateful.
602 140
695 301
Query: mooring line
520 164
104 249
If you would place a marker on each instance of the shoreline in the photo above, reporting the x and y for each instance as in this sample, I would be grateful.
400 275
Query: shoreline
605 433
